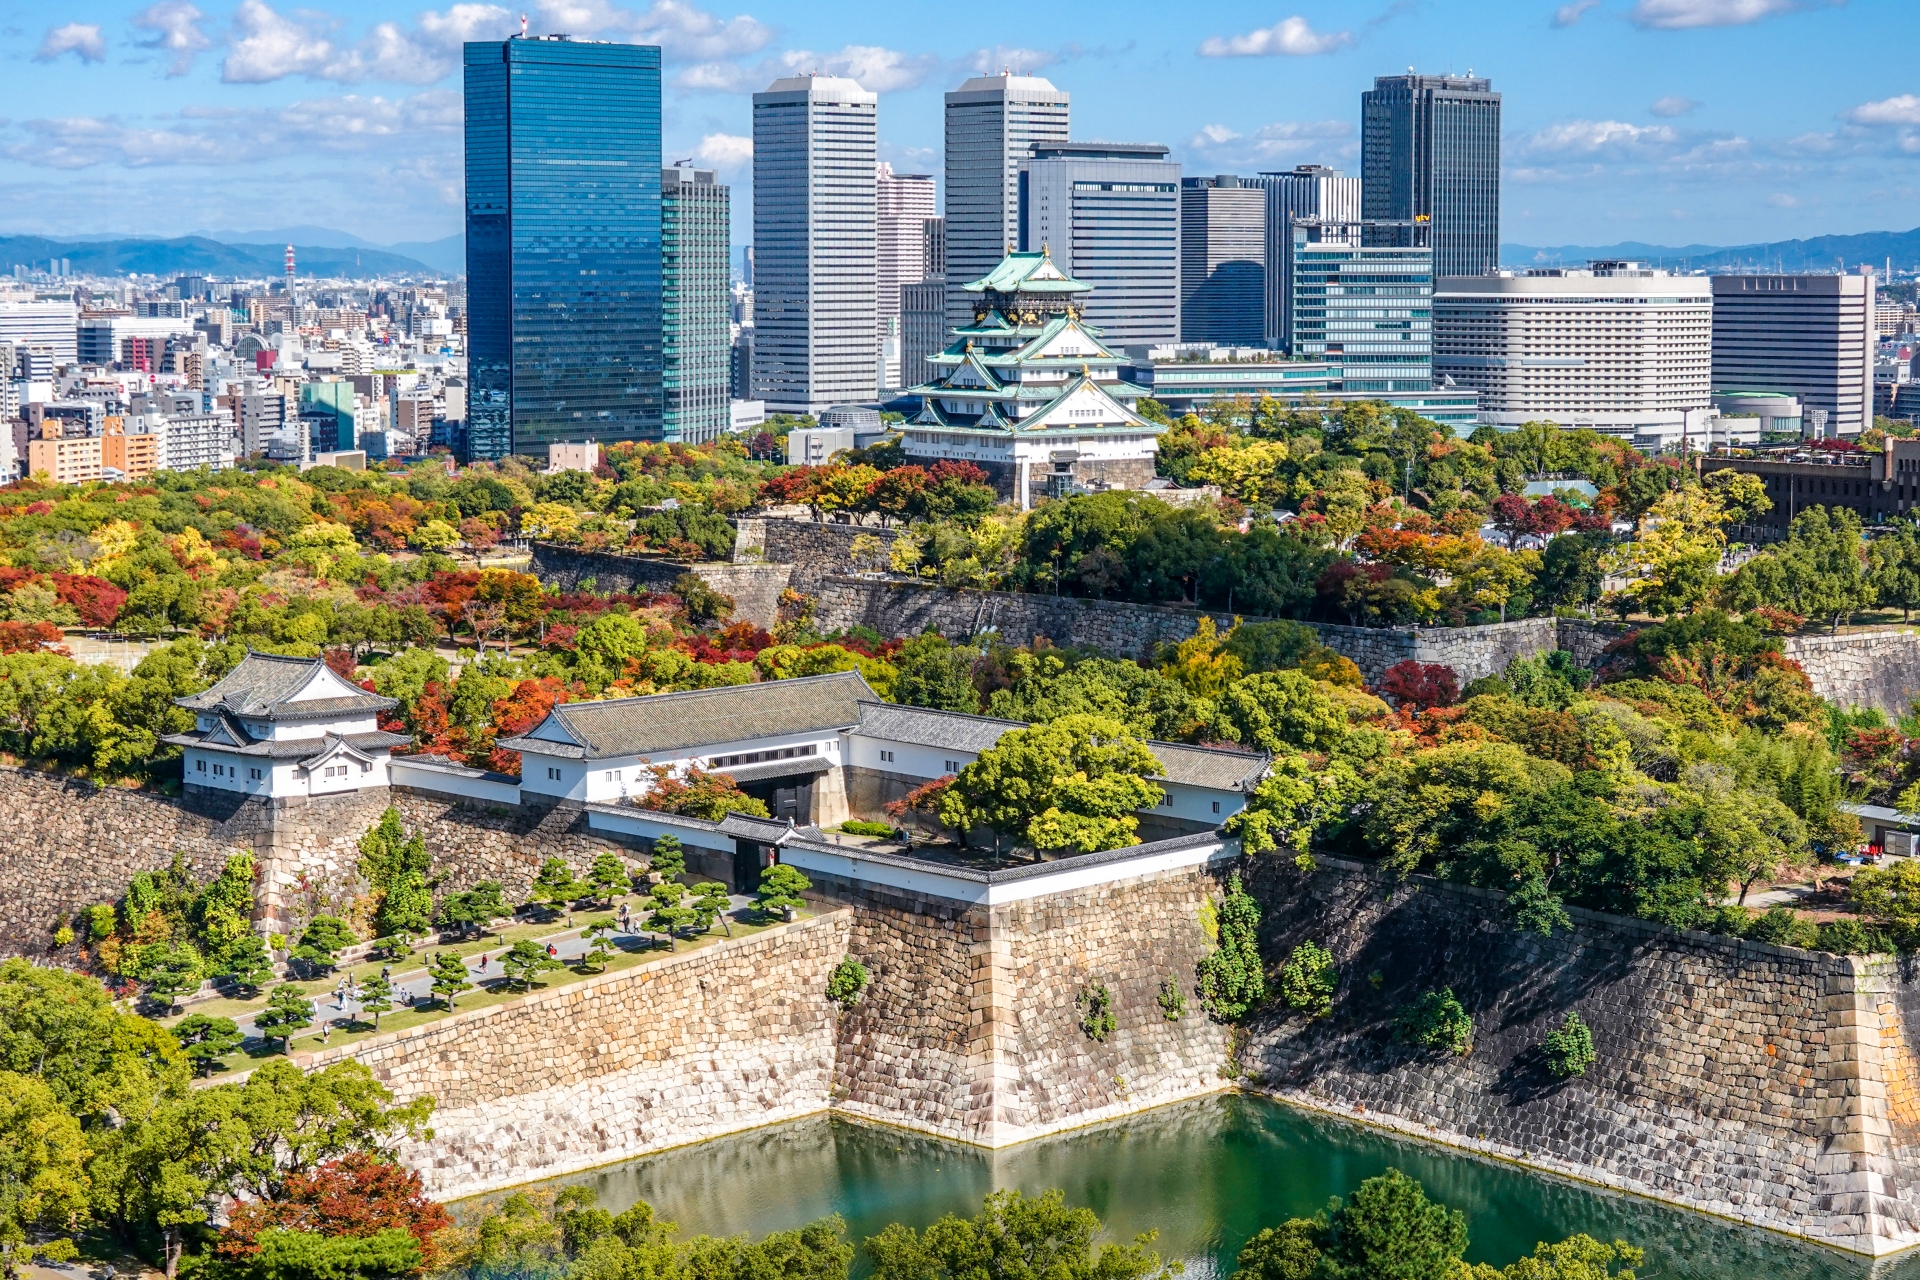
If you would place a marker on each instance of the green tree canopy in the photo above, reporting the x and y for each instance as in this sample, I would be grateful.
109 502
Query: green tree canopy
1071 784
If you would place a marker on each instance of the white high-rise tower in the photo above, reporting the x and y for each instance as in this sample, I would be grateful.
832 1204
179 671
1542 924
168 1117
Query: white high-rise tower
815 300
993 123
906 203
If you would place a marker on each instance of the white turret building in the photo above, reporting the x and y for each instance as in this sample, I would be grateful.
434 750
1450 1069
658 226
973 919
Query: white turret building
1030 394
278 728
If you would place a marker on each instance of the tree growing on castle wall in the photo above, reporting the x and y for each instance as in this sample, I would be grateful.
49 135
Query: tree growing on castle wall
1233 980
1073 784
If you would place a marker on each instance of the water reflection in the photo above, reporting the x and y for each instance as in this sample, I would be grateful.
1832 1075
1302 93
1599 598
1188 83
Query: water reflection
1206 1174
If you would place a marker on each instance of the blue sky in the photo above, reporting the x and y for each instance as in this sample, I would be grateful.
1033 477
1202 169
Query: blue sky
1668 121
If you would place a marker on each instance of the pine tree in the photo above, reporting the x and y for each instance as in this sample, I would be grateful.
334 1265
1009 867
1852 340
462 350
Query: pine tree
247 965
668 859
526 961
449 974
288 1010
711 899
376 997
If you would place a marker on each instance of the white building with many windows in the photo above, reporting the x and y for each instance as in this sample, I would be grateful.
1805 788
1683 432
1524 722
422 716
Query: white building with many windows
277 728
1618 347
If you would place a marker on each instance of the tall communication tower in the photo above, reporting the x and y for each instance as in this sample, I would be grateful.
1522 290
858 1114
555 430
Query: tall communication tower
289 270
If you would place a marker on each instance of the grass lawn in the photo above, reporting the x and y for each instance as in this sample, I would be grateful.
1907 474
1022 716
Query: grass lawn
493 991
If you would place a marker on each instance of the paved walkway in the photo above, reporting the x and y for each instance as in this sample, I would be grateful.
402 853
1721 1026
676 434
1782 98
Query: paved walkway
415 986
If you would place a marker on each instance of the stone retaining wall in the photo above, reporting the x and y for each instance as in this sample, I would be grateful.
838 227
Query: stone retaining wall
1878 668
972 1025
816 551
754 587
897 608
67 844
729 1037
1766 1084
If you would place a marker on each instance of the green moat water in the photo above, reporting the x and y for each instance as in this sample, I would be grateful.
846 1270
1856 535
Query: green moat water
1205 1174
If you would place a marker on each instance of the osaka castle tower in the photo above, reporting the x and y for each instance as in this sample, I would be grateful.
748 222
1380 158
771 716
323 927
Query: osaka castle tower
1030 394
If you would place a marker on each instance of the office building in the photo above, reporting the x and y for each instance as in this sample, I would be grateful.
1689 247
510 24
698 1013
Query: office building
49 324
815 303
1223 271
1878 485
1306 191
1188 377
1031 394
1430 152
904 205
1362 306
1109 214
933 245
992 125
1616 347
695 332
117 339
563 243
1808 336
328 410
923 330
740 364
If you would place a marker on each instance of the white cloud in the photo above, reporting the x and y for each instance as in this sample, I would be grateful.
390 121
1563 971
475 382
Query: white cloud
1568 14
878 70
724 150
1283 141
1680 15
175 25
680 29
268 46
1781 200
1673 105
1587 137
1291 37
81 39
1904 109
1014 58
226 136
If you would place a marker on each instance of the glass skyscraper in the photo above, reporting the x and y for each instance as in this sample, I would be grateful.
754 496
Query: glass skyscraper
695 243
1430 153
563 243
1364 307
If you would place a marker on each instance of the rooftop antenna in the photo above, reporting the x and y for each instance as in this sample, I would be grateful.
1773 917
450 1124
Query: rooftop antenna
523 26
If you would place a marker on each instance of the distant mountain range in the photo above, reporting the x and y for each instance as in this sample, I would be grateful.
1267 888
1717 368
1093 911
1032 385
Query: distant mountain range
1822 253
316 251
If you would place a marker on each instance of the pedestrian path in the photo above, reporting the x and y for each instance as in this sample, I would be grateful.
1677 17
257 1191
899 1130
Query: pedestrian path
414 986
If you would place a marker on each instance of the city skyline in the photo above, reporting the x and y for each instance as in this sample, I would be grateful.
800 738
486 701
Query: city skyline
1624 119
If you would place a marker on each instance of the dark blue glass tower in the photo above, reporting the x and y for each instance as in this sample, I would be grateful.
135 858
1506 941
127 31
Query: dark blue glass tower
563 243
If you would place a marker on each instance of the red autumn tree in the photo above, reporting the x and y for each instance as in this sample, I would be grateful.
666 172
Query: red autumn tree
24 637
697 794
96 600
520 711
356 1195
1420 685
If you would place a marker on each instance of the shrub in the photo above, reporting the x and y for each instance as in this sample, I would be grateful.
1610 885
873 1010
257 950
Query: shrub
859 827
1436 1020
1848 937
1569 1050
1172 1001
1307 981
1781 927
1096 1012
848 980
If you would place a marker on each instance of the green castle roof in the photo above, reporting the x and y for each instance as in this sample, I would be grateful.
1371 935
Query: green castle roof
1027 272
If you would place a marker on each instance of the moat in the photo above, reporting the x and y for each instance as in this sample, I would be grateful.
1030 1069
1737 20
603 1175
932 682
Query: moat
1206 1174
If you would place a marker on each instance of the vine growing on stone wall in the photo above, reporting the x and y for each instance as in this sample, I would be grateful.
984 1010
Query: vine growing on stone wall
1096 1012
1569 1049
1233 981
1172 1001
1307 980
